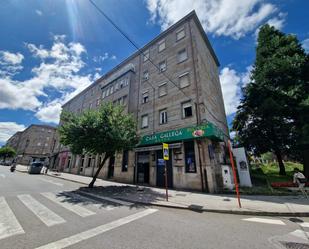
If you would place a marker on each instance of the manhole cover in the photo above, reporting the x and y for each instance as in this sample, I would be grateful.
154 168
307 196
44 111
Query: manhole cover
294 245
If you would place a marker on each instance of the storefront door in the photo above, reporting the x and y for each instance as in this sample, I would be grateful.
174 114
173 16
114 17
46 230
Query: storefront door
143 167
161 170
111 164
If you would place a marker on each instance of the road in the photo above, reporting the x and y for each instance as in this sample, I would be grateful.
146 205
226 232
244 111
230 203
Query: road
38 211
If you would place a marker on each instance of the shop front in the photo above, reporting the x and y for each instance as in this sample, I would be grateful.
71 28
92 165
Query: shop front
190 151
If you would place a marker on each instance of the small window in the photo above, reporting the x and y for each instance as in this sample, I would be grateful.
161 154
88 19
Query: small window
162 90
126 81
125 157
146 75
163 116
89 162
182 55
121 83
103 94
161 45
112 90
145 121
187 110
107 91
162 66
184 80
116 86
146 55
145 97
180 34
190 157
98 102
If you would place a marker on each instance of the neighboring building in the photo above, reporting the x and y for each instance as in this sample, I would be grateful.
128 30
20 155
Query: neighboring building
35 143
189 116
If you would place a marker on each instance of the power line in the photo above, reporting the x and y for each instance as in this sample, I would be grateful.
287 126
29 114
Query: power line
148 57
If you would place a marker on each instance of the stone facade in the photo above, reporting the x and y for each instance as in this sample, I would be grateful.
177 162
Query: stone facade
171 85
33 144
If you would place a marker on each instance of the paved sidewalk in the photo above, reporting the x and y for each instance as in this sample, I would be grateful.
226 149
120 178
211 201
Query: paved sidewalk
251 204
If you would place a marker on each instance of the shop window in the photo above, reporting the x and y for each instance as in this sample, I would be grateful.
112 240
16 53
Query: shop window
184 80
161 45
125 157
162 89
162 66
180 34
187 110
145 121
182 55
190 157
145 97
163 116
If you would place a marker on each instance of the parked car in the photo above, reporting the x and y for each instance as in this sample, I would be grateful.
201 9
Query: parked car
35 168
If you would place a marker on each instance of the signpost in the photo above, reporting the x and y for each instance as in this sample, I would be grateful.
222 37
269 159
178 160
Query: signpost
166 158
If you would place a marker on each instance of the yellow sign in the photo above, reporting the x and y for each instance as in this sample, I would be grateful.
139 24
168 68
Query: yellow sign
165 152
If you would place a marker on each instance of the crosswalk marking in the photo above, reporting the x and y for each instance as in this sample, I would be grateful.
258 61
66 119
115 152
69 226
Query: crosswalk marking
301 234
304 224
63 201
92 201
266 221
52 182
125 203
8 223
48 217
74 239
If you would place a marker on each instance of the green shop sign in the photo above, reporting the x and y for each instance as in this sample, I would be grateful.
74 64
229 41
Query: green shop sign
208 130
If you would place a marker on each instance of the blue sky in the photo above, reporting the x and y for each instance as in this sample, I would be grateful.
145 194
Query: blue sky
52 49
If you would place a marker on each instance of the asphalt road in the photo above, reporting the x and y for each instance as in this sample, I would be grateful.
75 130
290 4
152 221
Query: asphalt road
38 211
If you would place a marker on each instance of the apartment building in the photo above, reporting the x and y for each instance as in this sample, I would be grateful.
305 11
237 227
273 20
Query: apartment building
35 143
173 90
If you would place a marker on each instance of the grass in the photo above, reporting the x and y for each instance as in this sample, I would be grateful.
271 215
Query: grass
262 175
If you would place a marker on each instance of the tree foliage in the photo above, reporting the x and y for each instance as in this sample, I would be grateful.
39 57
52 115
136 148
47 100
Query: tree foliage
7 152
103 131
273 114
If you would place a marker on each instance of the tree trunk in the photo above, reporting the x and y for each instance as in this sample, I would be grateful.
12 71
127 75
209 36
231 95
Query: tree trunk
280 162
98 171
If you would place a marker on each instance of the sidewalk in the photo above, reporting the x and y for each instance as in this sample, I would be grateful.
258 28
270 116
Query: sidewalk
251 205
258 205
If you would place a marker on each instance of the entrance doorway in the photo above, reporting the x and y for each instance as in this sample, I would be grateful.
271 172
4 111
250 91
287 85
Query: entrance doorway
111 164
161 170
143 167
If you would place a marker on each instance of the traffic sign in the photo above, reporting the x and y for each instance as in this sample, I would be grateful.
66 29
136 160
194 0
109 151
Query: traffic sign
165 152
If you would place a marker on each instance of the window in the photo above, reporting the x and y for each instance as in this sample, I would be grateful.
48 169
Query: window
146 75
186 110
125 157
82 163
98 102
145 121
39 144
89 162
190 157
46 144
69 162
146 55
124 100
182 55
103 94
107 92
126 81
184 80
112 89
163 116
162 66
180 34
162 89
116 86
121 84
47 138
161 45
145 97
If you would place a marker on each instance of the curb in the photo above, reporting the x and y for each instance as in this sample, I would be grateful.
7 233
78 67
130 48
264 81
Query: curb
196 209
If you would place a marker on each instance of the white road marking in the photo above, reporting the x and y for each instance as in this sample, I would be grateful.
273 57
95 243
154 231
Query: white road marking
74 239
304 224
266 221
8 223
52 182
301 234
63 201
48 217
125 203
90 201
3 175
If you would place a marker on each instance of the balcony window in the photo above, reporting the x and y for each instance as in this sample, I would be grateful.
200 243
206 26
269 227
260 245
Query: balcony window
163 116
145 97
187 110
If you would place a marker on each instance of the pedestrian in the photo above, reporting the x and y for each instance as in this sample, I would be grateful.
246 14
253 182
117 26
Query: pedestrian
300 180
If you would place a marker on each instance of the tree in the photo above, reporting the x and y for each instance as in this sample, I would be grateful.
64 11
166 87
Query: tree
103 131
269 117
7 152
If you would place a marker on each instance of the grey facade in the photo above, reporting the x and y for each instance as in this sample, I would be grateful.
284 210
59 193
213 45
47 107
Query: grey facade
170 88
33 144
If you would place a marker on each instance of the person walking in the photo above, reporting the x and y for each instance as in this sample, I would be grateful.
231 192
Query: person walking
300 180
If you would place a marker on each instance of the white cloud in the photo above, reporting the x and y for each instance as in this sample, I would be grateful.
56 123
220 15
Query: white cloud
220 17
305 45
10 58
59 69
39 12
105 56
231 84
7 129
